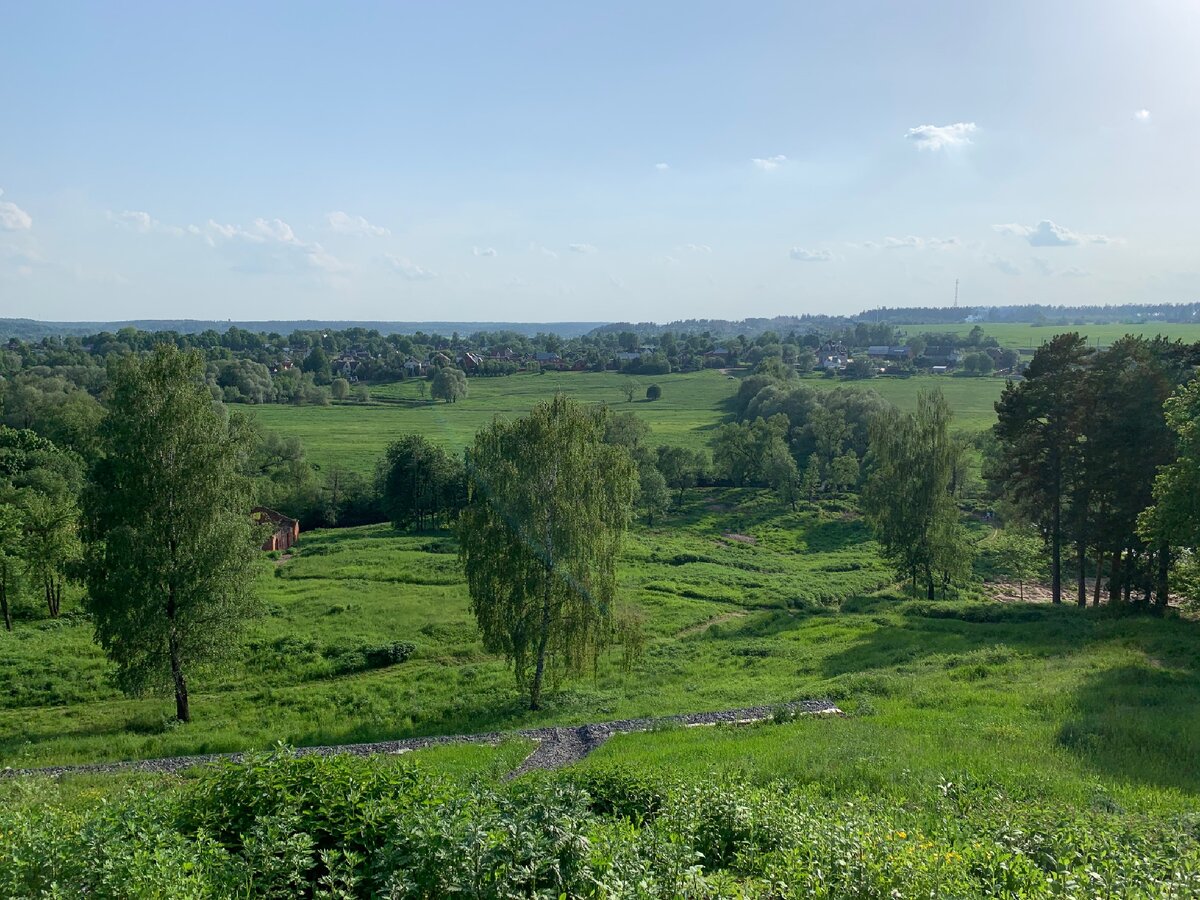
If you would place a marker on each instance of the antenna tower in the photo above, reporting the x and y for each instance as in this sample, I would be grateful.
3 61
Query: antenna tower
956 293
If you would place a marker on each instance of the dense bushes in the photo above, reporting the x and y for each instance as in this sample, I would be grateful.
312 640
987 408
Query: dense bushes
346 827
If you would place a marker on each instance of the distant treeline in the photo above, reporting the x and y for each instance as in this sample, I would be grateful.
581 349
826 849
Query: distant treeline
34 330
1037 314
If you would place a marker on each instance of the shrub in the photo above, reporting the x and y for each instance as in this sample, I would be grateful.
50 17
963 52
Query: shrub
653 392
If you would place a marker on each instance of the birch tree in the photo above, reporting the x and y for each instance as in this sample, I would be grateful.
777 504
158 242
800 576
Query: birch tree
548 503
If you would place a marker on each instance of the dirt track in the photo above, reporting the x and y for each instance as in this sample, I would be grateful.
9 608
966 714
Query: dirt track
556 746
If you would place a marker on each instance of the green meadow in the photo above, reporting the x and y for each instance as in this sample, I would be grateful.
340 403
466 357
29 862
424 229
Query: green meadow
353 436
1021 336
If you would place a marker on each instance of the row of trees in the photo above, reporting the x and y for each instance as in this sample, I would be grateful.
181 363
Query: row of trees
1087 454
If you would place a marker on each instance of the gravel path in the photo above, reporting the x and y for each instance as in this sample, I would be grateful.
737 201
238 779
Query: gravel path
558 746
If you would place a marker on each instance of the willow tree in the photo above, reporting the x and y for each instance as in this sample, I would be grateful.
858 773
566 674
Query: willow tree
169 545
547 504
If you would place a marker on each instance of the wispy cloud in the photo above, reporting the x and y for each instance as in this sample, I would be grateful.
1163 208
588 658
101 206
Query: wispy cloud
273 243
800 254
662 167
484 251
1142 115
939 137
769 163
1045 268
143 223
912 242
409 269
581 248
544 251
344 223
1007 266
12 217
698 248
1049 234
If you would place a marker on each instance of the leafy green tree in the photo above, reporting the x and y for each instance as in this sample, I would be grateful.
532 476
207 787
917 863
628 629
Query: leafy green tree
844 471
50 543
1018 550
907 495
11 531
781 473
653 495
682 468
340 388
547 504
1174 518
449 384
810 482
169 549
1038 429
418 482
316 363
653 392
741 450
629 388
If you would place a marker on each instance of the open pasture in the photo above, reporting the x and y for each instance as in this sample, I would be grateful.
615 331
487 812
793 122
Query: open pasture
1022 336
742 605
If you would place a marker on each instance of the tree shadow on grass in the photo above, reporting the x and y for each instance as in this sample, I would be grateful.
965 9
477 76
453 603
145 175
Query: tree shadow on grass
1139 723
932 629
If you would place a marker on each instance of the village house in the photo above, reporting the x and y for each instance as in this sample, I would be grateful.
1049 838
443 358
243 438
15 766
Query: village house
832 356
286 530
891 354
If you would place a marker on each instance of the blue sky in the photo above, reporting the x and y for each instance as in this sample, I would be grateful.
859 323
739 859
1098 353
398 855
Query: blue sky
561 161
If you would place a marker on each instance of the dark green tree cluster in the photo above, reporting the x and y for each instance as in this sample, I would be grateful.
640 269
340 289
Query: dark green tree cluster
909 495
1080 441
419 483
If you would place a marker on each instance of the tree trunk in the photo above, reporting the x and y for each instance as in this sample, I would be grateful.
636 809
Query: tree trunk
535 689
183 710
1164 571
1056 551
1114 578
1099 572
4 598
1081 577
929 582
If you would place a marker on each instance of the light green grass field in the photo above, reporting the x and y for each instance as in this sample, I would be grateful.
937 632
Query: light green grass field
1020 336
1067 704
354 436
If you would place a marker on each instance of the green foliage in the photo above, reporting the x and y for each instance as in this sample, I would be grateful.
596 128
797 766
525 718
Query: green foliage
449 384
170 552
547 504
908 499
419 483
343 827
654 392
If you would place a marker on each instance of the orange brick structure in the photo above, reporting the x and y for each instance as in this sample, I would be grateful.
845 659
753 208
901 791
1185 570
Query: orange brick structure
287 531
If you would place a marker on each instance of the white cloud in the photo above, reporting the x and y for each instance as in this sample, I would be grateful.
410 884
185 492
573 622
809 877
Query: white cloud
143 222
938 137
1045 268
344 223
12 217
662 167
1048 234
276 242
912 242
544 251
484 251
800 254
698 248
409 269
581 248
1142 115
771 162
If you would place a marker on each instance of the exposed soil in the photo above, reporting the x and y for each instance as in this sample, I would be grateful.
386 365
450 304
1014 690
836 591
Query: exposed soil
719 620
556 746
740 538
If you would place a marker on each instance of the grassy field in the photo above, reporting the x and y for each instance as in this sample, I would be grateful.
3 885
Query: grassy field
1021 336
354 436
743 605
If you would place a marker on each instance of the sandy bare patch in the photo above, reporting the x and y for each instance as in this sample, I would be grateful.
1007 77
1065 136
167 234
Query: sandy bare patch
740 538
717 620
